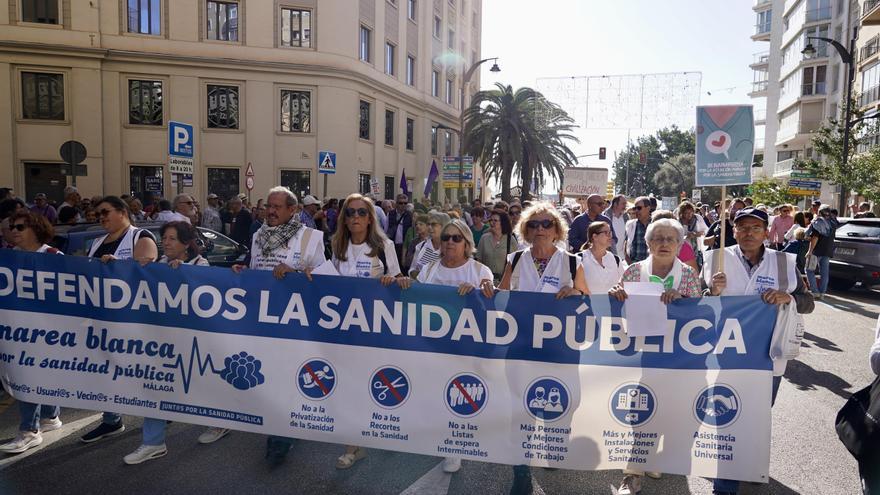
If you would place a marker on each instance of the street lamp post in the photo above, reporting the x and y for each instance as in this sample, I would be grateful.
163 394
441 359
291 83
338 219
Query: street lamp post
461 135
847 57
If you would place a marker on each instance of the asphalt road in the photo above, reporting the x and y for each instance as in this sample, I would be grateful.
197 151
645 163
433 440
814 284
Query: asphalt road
806 455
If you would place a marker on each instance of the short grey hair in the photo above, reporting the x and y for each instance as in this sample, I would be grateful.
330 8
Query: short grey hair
70 190
182 197
291 198
435 216
664 223
461 226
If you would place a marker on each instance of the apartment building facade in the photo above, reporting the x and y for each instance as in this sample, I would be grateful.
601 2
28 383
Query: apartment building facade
794 94
267 84
867 81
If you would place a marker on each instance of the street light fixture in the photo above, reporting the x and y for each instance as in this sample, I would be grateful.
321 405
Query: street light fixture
461 136
847 57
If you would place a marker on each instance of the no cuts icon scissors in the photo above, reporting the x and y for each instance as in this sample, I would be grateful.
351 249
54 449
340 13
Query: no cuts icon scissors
398 383
389 387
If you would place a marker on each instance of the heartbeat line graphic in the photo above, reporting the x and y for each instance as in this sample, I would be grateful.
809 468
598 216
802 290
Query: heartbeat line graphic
195 357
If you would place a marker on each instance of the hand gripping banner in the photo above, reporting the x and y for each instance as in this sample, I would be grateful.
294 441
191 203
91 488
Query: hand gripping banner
518 379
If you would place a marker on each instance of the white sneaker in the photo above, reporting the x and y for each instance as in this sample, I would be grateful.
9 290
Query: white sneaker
451 464
145 453
212 434
51 424
631 485
654 475
23 441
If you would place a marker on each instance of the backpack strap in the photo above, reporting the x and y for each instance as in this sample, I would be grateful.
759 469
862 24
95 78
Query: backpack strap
304 244
516 256
572 266
383 259
616 259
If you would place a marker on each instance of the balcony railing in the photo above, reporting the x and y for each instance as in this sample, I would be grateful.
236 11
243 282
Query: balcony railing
871 47
758 3
809 89
760 114
821 14
866 143
758 86
761 58
762 28
869 6
869 96
784 167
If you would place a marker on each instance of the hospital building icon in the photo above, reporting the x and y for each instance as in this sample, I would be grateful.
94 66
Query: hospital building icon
633 399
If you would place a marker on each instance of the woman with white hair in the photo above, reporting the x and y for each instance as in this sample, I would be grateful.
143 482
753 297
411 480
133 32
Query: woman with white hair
664 238
428 250
543 266
455 268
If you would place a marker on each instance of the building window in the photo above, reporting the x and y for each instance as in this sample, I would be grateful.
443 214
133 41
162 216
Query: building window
144 16
764 21
411 9
364 184
389 59
448 143
296 28
450 41
222 107
438 27
410 133
449 91
223 182
298 181
144 102
433 141
364 120
222 21
296 111
814 81
389 127
435 83
365 43
41 11
42 96
389 187
410 70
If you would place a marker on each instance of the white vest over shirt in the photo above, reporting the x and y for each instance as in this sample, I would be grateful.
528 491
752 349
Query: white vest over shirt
525 277
766 276
304 250
125 249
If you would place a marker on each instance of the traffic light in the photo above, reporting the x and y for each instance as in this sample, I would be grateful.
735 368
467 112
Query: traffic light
602 153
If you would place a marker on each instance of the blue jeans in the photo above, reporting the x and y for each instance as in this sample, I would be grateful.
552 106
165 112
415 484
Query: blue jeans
154 431
823 271
31 414
732 486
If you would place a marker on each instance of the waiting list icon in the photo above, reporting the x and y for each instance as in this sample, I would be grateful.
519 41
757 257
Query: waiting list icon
632 399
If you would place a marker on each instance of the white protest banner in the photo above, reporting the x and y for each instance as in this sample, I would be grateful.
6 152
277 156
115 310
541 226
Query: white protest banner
520 378
582 182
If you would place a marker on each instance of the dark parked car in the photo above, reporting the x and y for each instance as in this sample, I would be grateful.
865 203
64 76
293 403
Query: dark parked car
856 254
218 249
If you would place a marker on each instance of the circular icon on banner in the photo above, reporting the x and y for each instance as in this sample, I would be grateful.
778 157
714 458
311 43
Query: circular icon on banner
389 387
466 395
547 399
316 379
718 142
717 405
633 404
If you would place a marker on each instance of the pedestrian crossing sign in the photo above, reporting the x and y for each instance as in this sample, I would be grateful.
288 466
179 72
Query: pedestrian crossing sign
326 162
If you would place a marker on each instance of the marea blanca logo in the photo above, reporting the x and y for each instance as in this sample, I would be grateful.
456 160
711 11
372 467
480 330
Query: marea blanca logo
241 370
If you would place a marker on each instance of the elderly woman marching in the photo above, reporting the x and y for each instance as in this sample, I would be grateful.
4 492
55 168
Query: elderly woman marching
428 250
455 268
361 249
664 238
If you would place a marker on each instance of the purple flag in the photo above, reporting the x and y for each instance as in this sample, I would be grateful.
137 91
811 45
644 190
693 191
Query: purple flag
432 176
403 184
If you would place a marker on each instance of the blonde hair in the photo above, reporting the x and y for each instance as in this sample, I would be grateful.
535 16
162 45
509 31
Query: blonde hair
800 233
342 236
536 209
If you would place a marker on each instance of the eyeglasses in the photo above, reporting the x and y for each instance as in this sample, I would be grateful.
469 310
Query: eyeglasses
754 229
360 212
103 213
603 232
665 240
403 203
19 227
456 238
638 208
545 224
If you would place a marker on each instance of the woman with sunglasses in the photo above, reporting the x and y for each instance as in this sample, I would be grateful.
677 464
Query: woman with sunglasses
543 266
428 251
496 244
455 268
31 232
601 267
361 250
179 244
123 241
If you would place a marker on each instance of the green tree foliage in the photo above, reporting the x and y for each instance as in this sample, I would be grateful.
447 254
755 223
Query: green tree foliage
676 176
771 192
660 148
518 135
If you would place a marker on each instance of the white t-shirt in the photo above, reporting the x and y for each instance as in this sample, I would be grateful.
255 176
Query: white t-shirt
601 278
166 216
473 272
359 264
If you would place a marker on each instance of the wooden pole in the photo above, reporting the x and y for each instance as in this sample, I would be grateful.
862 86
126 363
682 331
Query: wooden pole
720 255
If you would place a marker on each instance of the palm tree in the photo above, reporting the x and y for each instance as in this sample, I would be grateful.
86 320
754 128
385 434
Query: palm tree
518 134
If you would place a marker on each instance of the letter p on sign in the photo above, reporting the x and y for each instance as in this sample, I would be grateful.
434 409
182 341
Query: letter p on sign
180 140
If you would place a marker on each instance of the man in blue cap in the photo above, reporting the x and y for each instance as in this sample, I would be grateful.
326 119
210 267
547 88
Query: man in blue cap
752 269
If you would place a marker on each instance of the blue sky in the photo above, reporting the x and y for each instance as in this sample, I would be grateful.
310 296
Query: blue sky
553 38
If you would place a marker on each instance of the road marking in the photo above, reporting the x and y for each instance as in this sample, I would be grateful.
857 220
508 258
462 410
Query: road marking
434 482
50 438
832 306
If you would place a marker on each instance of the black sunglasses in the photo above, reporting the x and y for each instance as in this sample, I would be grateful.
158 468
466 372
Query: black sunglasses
534 224
19 227
103 213
639 208
402 202
360 212
456 238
